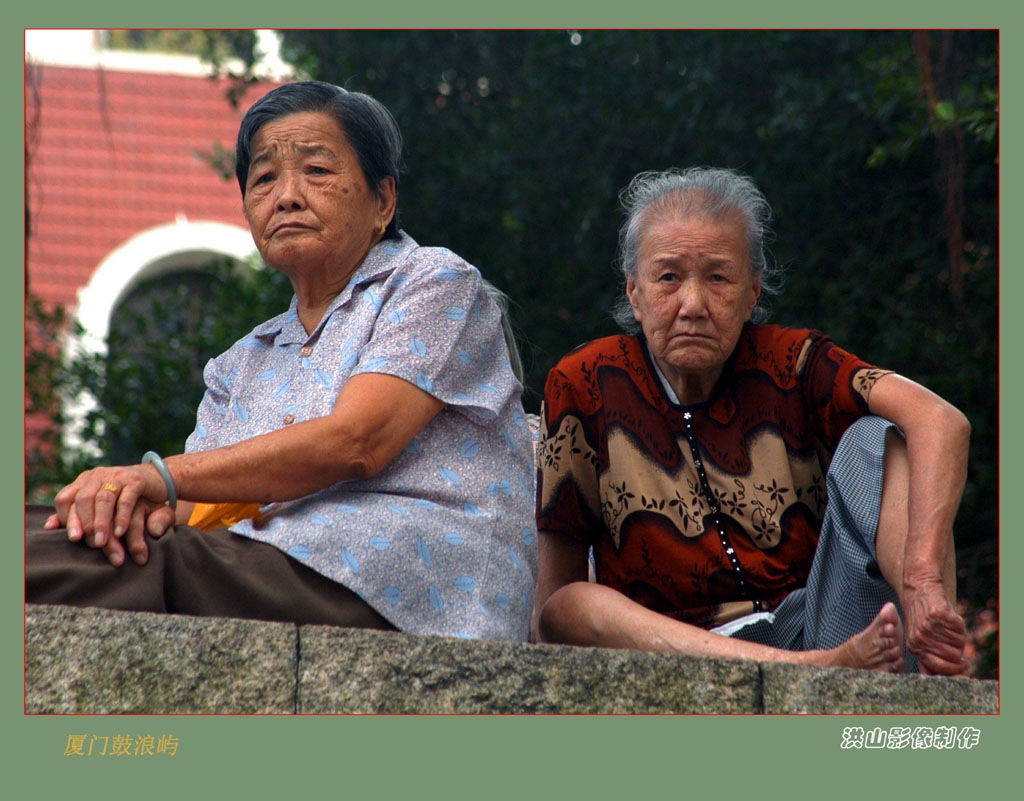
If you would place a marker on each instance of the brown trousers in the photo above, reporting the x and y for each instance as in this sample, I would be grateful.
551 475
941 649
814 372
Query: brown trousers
214 573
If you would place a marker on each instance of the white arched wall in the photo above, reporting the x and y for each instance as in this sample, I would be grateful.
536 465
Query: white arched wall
149 254
182 245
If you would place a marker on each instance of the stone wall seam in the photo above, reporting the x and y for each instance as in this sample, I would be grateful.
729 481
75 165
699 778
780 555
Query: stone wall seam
759 691
297 693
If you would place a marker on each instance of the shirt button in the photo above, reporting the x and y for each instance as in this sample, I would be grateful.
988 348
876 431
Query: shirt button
289 419
306 350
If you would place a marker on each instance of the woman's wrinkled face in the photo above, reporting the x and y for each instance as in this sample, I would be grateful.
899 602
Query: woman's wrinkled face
308 204
693 292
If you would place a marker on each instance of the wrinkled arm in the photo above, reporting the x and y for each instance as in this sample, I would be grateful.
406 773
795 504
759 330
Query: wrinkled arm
374 418
937 439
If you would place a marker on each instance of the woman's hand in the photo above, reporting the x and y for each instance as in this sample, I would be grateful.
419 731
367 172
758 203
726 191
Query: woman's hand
936 634
106 505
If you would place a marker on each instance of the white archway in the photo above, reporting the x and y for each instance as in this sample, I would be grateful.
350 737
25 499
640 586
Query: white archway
149 254
182 245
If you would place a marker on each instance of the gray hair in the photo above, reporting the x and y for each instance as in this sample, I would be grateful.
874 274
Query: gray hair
502 302
366 123
695 191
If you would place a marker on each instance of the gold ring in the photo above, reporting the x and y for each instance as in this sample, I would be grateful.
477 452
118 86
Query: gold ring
111 488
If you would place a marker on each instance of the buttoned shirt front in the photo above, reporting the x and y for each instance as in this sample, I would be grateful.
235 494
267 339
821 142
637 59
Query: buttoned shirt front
443 540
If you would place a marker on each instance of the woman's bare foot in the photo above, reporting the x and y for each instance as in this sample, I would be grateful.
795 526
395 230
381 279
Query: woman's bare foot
878 647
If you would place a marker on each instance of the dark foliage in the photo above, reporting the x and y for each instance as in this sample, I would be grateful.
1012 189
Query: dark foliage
519 142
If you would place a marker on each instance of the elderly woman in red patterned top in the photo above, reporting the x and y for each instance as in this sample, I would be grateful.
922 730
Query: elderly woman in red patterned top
747 490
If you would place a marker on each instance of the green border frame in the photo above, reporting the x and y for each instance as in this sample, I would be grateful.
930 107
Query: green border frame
499 756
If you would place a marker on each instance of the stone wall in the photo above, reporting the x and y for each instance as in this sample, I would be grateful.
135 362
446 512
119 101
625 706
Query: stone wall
94 660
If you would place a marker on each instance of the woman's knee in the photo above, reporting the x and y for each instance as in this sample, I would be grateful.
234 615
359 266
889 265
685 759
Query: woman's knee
564 616
859 464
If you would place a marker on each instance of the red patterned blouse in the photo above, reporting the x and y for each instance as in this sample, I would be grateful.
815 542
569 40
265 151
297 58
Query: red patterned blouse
704 512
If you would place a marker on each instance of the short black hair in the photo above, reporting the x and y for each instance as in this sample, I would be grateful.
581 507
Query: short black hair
366 123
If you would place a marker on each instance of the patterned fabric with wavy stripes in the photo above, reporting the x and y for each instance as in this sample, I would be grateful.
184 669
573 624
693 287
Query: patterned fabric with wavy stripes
705 512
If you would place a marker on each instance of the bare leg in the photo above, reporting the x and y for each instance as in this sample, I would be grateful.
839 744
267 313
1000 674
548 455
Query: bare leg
894 521
582 613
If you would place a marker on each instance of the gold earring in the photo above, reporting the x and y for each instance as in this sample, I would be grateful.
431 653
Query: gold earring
383 227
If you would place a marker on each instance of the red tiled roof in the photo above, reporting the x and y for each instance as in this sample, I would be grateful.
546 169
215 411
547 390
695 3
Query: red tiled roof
114 153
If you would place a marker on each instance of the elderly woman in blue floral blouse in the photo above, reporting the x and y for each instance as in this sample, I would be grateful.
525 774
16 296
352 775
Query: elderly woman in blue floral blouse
370 441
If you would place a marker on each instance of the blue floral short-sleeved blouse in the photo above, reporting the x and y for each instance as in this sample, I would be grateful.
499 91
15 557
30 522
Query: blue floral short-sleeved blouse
443 541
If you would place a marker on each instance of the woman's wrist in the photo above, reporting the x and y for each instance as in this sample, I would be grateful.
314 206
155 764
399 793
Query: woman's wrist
153 459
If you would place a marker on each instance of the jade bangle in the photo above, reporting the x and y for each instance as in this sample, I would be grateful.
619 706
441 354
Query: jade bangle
153 458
